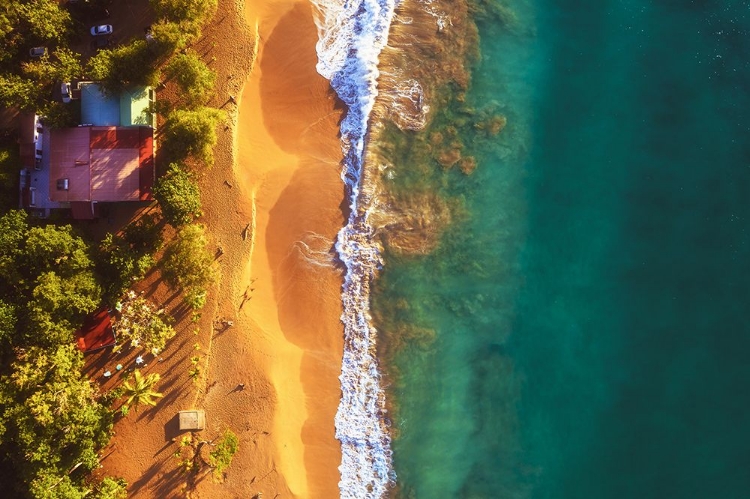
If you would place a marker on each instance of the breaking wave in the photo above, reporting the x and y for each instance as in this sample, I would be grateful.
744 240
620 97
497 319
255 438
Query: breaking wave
351 35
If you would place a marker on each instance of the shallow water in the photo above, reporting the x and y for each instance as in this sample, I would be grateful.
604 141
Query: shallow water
581 330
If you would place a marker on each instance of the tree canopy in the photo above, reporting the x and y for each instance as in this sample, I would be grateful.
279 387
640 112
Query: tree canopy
51 418
140 390
127 65
194 78
33 23
143 326
188 265
62 65
168 37
48 277
178 195
126 257
27 23
197 11
192 133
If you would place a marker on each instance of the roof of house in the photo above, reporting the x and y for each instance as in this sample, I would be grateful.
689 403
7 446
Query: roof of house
130 108
106 164
97 107
134 107
26 124
96 331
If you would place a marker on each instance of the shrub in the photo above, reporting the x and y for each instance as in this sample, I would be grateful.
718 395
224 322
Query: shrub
192 133
178 196
188 265
111 488
143 326
195 79
221 456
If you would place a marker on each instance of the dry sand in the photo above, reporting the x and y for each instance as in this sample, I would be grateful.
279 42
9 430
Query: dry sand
277 170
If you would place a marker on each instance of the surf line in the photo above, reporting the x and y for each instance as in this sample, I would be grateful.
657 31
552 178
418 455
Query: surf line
351 35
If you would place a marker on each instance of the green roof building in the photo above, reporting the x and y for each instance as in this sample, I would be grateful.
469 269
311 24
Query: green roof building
130 108
135 105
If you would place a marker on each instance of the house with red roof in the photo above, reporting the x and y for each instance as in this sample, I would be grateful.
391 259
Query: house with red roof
108 159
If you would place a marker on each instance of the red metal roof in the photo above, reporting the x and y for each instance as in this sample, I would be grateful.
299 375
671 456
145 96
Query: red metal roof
102 163
96 331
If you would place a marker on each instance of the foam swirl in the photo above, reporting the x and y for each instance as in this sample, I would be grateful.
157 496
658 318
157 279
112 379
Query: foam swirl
351 36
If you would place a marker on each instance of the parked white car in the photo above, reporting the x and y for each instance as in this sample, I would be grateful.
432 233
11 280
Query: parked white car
102 29
65 92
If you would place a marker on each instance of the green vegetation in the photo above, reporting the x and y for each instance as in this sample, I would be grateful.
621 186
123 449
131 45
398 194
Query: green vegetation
52 419
169 37
221 456
59 115
125 258
24 25
192 133
125 66
178 196
140 390
16 90
29 23
48 275
110 488
187 11
44 19
62 65
188 266
194 78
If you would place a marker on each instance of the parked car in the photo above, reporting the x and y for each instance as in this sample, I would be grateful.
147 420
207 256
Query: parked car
65 91
38 51
102 29
101 42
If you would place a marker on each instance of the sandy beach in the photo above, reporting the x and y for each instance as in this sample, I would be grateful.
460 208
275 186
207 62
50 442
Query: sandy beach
272 203
288 164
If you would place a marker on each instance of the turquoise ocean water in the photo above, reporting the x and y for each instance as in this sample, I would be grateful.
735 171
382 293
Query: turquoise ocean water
591 315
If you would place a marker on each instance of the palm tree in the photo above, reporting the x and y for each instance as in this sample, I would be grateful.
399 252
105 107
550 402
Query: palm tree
140 391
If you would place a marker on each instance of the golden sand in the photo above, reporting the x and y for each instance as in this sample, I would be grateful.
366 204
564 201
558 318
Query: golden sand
288 163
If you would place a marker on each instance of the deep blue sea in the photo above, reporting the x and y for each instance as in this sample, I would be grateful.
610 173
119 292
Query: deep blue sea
591 314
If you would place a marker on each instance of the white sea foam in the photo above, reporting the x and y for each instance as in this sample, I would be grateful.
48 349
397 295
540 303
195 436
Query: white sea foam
351 35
